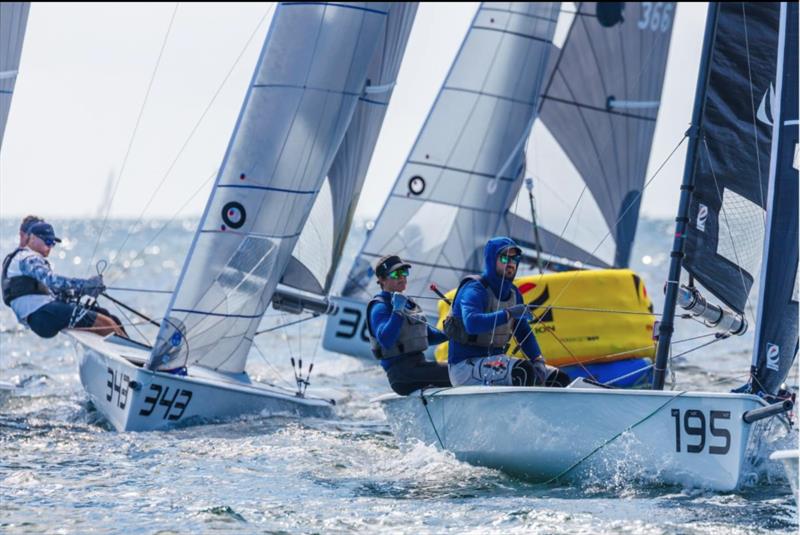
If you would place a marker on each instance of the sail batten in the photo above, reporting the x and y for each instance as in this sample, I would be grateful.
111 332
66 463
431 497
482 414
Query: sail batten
304 92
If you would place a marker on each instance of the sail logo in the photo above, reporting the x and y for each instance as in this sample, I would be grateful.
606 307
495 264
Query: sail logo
773 356
767 101
702 216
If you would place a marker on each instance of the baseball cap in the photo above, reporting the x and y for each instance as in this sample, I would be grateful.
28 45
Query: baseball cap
387 264
45 232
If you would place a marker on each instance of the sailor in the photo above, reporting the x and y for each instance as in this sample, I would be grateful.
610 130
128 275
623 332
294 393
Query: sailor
487 312
38 296
27 222
399 332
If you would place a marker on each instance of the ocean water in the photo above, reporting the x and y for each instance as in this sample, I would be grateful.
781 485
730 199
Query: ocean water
62 470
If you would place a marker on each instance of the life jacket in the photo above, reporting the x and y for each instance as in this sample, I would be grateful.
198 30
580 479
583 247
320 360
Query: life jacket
20 285
499 337
413 335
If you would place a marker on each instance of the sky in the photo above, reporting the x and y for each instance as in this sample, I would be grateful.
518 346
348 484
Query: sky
84 129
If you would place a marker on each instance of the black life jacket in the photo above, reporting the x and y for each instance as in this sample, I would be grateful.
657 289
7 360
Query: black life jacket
499 337
20 285
413 335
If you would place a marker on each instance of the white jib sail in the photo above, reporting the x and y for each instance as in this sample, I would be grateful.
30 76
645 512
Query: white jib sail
307 84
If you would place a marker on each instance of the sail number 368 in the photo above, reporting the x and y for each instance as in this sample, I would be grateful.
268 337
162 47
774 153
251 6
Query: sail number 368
691 425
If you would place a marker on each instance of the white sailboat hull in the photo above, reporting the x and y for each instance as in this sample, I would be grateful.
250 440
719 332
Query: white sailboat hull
548 434
133 398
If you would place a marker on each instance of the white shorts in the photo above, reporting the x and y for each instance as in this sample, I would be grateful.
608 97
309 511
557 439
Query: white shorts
490 371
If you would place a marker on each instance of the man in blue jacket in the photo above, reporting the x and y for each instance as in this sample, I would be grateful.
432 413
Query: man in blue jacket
399 332
487 312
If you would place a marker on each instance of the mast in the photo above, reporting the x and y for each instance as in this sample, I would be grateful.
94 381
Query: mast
666 326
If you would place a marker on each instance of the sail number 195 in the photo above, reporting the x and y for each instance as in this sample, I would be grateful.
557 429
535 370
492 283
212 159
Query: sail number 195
694 430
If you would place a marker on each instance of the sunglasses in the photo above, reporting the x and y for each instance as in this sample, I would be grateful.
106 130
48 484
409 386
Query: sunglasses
505 259
49 243
397 273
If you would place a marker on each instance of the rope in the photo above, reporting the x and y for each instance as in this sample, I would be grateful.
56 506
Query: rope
612 439
195 127
135 130
433 426
282 325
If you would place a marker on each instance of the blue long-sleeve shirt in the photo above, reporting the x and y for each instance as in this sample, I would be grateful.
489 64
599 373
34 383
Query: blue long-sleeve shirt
386 326
471 302
472 299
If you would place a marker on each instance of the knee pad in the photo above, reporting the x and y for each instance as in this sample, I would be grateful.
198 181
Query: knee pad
522 373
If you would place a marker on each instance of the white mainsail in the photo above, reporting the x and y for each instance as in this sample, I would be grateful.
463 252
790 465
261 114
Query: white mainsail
319 248
13 20
463 170
306 87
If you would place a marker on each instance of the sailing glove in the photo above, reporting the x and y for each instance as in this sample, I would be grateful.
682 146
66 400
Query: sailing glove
519 311
94 286
540 371
398 302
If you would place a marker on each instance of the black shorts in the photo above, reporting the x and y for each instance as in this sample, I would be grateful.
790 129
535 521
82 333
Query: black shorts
50 319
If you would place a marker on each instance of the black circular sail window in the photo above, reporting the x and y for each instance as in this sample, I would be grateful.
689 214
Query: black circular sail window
610 13
416 185
233 214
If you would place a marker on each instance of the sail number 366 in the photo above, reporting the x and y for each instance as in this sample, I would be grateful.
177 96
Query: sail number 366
656 16
698 431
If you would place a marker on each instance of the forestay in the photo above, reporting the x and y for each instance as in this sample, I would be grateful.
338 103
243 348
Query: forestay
606 126
731 167
320 246
13 20
306 86
776 332
467 162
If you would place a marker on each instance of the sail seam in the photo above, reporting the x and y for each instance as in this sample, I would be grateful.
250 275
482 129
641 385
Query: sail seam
346 6
254 234
269 188
459 170
307 88
537 17
482 93
516 34
597 108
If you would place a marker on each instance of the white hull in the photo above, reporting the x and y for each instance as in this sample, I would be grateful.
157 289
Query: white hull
133 398
789 458
544 434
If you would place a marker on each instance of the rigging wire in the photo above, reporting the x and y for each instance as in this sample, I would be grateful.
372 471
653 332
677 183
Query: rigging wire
196 126
135 131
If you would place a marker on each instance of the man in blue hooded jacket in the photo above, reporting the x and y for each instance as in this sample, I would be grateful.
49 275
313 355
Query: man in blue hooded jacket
487 312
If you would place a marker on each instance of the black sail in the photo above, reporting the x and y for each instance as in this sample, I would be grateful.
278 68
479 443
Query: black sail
601 102
724 238
776 335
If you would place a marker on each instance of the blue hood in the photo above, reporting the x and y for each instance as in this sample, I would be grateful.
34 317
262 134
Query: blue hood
490 252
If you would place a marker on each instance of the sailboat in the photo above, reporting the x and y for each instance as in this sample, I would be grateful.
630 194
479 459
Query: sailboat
741 169
313 110
462 181
13 21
